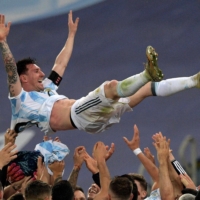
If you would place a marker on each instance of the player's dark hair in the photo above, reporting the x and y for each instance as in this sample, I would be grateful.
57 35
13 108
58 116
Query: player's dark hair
22 65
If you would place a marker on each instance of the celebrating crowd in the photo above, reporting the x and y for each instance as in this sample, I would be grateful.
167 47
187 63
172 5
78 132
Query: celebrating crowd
39 174
170 180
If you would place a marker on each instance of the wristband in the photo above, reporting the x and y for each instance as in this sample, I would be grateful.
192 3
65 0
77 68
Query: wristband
137 151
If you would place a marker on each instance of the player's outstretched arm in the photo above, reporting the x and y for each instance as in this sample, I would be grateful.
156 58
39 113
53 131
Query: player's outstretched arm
63 57
165 185
134 145
14 84
79 154
100 152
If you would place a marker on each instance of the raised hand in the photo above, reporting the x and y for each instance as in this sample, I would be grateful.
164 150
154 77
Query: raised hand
91 164
40 169
79 154
134 143
4 29
46 138
157 137
100 151
57 139
149 155
27 180
7 154
18 184
72 25
57 167
10 136
187 181
162 147
110 150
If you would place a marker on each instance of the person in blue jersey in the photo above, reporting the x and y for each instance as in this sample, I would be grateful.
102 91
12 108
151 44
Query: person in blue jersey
34 100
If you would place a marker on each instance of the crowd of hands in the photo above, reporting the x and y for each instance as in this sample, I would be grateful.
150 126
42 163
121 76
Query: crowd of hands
164 176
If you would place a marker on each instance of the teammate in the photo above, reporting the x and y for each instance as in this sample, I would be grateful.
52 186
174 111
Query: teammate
34 100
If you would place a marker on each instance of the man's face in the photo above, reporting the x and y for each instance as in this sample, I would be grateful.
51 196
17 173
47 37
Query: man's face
78 195
93 191
34 77
142 193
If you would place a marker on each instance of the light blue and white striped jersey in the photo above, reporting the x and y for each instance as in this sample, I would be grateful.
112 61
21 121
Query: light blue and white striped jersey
34 108
155 195
52 151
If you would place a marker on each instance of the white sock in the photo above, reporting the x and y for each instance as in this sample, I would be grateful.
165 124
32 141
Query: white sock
132 84
174 85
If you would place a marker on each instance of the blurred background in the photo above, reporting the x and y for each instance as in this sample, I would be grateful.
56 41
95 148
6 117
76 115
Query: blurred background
110 44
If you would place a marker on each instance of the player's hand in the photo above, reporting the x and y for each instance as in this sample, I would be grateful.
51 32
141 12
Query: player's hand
134 143
10 136
73 26
4 29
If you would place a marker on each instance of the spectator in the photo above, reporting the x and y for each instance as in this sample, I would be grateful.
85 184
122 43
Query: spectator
79 193
38 190
62 190
120 188
92 191
141 185
134 190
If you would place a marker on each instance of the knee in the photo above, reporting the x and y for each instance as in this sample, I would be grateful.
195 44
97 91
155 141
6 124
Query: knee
112 84
110 89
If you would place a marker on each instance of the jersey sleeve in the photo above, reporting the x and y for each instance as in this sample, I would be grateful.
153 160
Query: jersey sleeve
47 83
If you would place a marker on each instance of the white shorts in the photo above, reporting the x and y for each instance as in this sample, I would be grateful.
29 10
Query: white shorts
95 113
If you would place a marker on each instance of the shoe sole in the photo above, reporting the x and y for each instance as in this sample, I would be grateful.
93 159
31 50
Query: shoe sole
152 66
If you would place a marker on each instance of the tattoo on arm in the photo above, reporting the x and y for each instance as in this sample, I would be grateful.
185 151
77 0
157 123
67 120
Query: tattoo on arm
73 177
10 66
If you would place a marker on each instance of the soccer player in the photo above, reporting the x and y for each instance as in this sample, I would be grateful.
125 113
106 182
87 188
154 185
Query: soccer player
34 100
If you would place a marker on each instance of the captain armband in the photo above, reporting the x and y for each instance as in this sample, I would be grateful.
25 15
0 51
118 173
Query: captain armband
55 78
177 166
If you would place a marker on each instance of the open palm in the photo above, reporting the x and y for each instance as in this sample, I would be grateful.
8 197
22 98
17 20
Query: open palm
4 29
71 24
